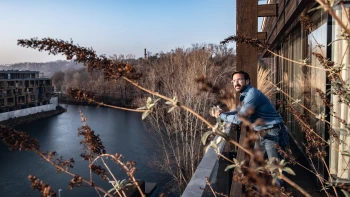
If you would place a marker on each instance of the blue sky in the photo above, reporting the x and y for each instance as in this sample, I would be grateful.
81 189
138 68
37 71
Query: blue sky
113 26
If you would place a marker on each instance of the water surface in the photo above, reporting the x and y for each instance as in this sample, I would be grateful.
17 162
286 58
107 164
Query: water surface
120 131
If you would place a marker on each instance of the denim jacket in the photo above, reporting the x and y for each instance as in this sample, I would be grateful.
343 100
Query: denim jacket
253 99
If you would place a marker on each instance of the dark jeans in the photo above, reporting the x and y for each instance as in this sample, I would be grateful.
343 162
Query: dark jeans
277 136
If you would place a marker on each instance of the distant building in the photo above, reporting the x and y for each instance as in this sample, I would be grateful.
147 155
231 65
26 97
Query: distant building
23 89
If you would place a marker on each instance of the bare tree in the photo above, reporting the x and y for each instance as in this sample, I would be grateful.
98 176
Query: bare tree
178 134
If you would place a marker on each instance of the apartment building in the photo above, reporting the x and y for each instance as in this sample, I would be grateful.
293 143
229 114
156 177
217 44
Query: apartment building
23 89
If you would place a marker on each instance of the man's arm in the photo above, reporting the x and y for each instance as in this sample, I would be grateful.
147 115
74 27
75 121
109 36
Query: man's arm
249 104
230 117
223 115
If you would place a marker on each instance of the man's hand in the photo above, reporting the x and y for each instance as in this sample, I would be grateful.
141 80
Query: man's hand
218 112
215 111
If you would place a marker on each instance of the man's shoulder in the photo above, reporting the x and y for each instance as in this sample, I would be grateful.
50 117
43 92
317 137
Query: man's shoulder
253 90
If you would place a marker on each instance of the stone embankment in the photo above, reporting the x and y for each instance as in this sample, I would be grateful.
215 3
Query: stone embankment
13 122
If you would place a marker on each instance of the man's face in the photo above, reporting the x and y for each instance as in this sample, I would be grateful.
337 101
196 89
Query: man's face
238 82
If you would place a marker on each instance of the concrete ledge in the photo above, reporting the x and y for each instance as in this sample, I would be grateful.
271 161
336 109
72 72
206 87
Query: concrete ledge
31 110
207 168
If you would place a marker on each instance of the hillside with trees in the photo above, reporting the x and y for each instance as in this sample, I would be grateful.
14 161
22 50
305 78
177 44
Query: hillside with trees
218 60
46 69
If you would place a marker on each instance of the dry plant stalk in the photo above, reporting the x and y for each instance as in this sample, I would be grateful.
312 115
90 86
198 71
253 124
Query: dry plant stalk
17 140
93 150
178 134
315 144
81 95
263 83
113 70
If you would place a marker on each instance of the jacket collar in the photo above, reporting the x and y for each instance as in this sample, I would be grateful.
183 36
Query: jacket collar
246 89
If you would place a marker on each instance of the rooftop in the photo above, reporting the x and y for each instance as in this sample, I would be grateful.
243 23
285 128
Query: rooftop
18 71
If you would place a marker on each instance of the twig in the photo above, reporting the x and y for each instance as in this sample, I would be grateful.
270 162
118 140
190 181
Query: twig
187 109
300 63
68 172
346 13
205 121
329 174
126 170
220 194
98 192
110 172
328 9
307 109
318 175
122 108
208 183
224 157
290 182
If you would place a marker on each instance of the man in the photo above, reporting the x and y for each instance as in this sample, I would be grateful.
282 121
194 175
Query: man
254 105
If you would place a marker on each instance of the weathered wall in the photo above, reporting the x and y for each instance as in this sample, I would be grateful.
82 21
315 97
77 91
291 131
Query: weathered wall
32 110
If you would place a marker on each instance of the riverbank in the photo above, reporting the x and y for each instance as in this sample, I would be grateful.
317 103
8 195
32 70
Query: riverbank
125 103
134 102
13 122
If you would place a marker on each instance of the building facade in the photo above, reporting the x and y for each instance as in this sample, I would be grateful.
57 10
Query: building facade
23 89
288 36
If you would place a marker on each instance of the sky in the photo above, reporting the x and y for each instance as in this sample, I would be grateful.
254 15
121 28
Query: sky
113 26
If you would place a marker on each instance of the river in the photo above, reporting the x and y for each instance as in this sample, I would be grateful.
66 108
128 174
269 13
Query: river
120 131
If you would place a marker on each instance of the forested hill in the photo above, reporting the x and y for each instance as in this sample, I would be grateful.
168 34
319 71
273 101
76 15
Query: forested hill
47 68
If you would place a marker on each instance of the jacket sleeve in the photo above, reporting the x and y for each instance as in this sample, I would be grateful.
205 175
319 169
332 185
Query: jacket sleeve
230 116
249 104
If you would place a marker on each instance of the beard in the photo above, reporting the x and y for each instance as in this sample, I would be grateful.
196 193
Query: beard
239 88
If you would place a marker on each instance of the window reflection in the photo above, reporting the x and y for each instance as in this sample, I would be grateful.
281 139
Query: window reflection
301 82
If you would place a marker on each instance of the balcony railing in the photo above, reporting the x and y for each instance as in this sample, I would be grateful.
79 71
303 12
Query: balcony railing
208 167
